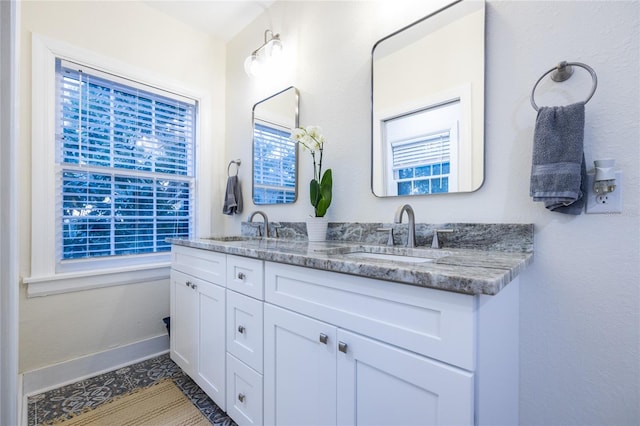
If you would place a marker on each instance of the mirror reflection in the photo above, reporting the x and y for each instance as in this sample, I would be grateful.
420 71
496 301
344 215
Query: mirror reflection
428 104
275 155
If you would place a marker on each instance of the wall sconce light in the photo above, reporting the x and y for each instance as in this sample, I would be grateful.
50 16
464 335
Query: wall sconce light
605 179
260 58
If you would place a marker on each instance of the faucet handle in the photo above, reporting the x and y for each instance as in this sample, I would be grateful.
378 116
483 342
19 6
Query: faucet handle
275 227
258 227
435 243
390 231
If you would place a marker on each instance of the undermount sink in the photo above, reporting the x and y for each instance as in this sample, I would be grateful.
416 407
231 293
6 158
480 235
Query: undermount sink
229 238
391 254
391 257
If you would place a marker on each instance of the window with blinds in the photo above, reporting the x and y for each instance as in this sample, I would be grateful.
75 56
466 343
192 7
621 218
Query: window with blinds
274 164
422 165
125 164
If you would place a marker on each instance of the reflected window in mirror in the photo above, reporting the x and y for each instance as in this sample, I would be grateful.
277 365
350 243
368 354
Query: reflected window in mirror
275 155
428 104
419 147
274 167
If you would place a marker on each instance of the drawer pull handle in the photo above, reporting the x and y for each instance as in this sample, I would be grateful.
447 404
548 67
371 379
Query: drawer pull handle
342 347
241 276
241 329
323 338
241 397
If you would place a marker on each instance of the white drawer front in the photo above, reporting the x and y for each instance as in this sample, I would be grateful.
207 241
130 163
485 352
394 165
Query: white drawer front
244 329
244 393
434 323
246 276
207 265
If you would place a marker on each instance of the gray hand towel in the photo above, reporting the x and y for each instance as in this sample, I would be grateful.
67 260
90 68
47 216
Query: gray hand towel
558 171
232 197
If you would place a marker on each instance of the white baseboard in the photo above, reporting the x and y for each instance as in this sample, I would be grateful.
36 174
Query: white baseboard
54 376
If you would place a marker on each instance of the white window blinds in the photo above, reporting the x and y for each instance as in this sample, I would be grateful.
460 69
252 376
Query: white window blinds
421 151
274 164
125 164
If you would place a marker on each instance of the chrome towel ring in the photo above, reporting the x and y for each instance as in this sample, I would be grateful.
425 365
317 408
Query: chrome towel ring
232 162
562 72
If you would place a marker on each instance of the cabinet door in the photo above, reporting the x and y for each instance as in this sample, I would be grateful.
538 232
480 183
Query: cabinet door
379 384
210 331
299 369
183 320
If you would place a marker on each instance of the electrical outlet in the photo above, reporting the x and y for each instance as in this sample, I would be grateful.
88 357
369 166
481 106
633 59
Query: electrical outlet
607 203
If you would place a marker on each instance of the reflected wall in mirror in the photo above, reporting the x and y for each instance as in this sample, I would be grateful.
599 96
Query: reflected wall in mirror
428 104
275 155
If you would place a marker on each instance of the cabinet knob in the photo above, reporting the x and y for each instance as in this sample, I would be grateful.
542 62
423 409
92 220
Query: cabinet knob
188 284
241 329
194 286
241 276
323 338
241 397
342 347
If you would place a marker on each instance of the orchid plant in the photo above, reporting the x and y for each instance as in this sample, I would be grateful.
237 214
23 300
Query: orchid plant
320 187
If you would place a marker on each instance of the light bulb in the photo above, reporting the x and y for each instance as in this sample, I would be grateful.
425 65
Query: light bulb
252 65
276 48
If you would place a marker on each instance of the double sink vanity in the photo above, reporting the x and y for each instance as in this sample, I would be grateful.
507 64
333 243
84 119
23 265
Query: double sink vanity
359 329
351 330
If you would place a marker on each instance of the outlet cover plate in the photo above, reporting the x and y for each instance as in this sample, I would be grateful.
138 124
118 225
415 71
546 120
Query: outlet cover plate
613 202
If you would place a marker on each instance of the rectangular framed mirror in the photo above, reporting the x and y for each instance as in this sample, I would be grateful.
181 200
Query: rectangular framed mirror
428 104
275 155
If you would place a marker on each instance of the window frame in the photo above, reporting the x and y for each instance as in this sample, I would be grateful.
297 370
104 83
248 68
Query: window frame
46 276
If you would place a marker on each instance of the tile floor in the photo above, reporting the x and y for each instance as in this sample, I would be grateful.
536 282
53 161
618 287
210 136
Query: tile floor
71 399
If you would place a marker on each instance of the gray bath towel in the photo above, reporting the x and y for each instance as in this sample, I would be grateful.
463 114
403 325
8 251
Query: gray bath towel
232 197
558 171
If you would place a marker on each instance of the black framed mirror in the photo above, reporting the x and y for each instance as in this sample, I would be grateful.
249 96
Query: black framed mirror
275 155
428 104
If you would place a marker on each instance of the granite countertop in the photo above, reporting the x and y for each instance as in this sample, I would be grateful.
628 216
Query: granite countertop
462 270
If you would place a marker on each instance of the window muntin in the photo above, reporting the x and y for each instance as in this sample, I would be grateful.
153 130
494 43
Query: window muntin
124 164
274 168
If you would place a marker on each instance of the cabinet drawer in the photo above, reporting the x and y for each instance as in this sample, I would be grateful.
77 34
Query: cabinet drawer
434 323
207 265
246 276
244 329
244 393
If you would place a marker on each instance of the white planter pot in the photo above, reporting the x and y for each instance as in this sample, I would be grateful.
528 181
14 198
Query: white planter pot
317 228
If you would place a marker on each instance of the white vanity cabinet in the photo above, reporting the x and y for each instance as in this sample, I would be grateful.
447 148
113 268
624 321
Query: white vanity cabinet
348 350
198 318
278 344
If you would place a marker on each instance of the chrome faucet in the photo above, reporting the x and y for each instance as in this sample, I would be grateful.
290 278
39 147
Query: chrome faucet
264 218
411 237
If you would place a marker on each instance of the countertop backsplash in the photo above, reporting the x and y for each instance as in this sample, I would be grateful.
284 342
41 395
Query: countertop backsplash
479 236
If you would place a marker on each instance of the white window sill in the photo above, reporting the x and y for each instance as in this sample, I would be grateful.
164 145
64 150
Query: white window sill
87 280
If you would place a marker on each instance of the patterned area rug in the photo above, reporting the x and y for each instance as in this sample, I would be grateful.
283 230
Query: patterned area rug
73 399
159 404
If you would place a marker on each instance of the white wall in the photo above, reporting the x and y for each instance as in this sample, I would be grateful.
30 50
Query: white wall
62 327
580 301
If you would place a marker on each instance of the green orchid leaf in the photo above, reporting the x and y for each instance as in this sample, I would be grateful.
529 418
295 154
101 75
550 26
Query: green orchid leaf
326 186
314 192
